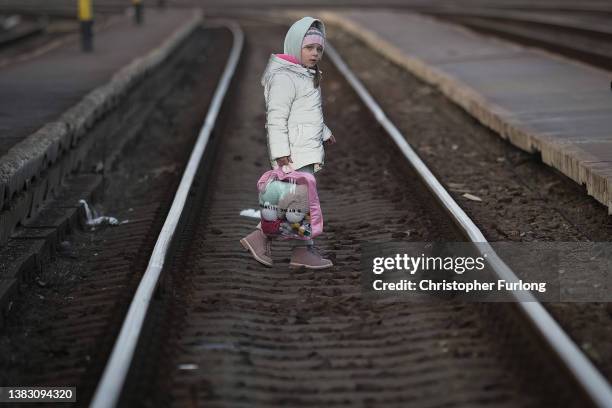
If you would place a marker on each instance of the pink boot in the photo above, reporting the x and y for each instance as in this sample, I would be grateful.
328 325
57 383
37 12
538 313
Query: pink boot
259 245
309 257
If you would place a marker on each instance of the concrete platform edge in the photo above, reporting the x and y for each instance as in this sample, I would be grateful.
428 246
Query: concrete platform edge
494 117
35 250
28 162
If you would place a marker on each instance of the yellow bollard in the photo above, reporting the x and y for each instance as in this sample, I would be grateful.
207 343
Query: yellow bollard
137 11
86 18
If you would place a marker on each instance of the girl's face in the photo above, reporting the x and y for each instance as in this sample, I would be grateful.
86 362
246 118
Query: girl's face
311 55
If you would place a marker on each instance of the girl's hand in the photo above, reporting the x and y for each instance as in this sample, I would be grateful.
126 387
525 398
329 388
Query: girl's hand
331 140
284 161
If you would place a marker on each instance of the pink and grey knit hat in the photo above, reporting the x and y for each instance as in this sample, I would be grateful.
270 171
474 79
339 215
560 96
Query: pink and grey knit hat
314 36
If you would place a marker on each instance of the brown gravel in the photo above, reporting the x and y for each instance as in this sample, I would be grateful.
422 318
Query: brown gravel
240 334
522 199
287 319
59 333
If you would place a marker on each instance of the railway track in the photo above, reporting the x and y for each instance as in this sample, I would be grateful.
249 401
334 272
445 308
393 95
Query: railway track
42 36
584 38
580 31
20 32
85 289
225 331
349 362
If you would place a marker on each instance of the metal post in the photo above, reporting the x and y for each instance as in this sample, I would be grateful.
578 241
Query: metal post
86 19
137 11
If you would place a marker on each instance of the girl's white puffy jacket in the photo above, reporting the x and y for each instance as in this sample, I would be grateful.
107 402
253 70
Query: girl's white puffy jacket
294 118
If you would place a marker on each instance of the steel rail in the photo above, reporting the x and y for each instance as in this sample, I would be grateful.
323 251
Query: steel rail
583 371
592 52
597 28
111 384
11 37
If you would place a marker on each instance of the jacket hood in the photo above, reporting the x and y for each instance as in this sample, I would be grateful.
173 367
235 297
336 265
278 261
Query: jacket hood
278 64
295 35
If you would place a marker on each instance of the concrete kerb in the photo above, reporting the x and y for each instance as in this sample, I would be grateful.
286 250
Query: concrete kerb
489 114
49 145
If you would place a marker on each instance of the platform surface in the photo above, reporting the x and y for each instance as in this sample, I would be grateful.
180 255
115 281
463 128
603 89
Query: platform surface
40 89
539 101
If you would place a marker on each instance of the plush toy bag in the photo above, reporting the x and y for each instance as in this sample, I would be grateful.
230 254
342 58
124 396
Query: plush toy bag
289 205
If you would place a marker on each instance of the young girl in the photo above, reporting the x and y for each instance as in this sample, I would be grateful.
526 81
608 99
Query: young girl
294 119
